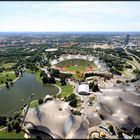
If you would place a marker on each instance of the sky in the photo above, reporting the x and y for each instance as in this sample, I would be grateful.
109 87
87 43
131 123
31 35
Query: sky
71 16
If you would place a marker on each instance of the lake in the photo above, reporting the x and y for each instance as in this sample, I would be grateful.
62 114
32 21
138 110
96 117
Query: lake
15 97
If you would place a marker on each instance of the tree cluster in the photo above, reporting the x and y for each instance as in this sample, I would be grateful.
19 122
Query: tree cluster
40 101
72 100
94 87
106 76
13 122
48 80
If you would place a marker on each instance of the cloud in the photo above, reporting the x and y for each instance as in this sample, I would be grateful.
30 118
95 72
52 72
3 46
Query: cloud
14 17
70 16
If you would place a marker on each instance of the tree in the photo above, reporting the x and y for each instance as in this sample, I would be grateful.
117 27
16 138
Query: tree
73 102
63 82
42 73
11 82
9 125
16 115
21 72
119 81
10 118
71 97
95 88
52 80
16 125
136 130
45 80
1 70
17 73
55 73
119 133
91 85
3 120
111 128
7 84
40 101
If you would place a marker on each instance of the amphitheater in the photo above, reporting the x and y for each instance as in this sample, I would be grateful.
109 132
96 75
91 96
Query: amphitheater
101 66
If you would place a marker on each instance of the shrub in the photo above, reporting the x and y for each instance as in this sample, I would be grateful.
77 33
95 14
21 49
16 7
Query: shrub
9 125
40 101
73 102
10 118
71 97
119 81
111 129
76 112
95 88
3 120
119 133
16 115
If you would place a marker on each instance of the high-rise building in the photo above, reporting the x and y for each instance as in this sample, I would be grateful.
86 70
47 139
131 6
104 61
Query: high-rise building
126 40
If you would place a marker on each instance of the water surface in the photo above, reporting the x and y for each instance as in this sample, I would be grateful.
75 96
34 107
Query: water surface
13 98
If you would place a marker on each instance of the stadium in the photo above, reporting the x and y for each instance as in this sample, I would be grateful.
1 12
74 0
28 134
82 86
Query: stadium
73 63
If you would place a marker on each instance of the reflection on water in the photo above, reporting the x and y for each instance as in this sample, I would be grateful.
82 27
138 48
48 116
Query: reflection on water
17 94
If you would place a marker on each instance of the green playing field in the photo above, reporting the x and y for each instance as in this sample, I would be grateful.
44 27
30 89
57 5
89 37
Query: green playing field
76 68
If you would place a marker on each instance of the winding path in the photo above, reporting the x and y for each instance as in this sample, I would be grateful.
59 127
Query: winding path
136 64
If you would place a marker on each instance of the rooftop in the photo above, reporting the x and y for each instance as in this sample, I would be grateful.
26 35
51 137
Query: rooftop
83 88
51 50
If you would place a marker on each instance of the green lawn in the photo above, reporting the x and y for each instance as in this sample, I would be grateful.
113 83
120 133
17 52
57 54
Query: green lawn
6 65
2 127
38 78
76 68
73 62
3 77
66 89
34 104
11 135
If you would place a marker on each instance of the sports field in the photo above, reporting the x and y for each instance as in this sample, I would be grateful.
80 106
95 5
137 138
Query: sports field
73 68
74 65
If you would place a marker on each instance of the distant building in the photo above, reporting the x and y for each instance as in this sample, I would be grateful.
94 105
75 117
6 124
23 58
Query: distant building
131 45
51 50
126 40
83 89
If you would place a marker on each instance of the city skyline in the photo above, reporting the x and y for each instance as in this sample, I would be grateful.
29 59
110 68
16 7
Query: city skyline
69 16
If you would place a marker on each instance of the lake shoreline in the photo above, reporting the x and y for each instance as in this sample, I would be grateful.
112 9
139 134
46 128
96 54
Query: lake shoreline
3 85
22 89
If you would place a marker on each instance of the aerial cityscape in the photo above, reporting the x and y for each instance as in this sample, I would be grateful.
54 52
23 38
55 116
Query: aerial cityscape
69 70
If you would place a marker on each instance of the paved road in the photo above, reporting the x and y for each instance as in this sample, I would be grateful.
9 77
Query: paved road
86 110
131 53
4 128
136 64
